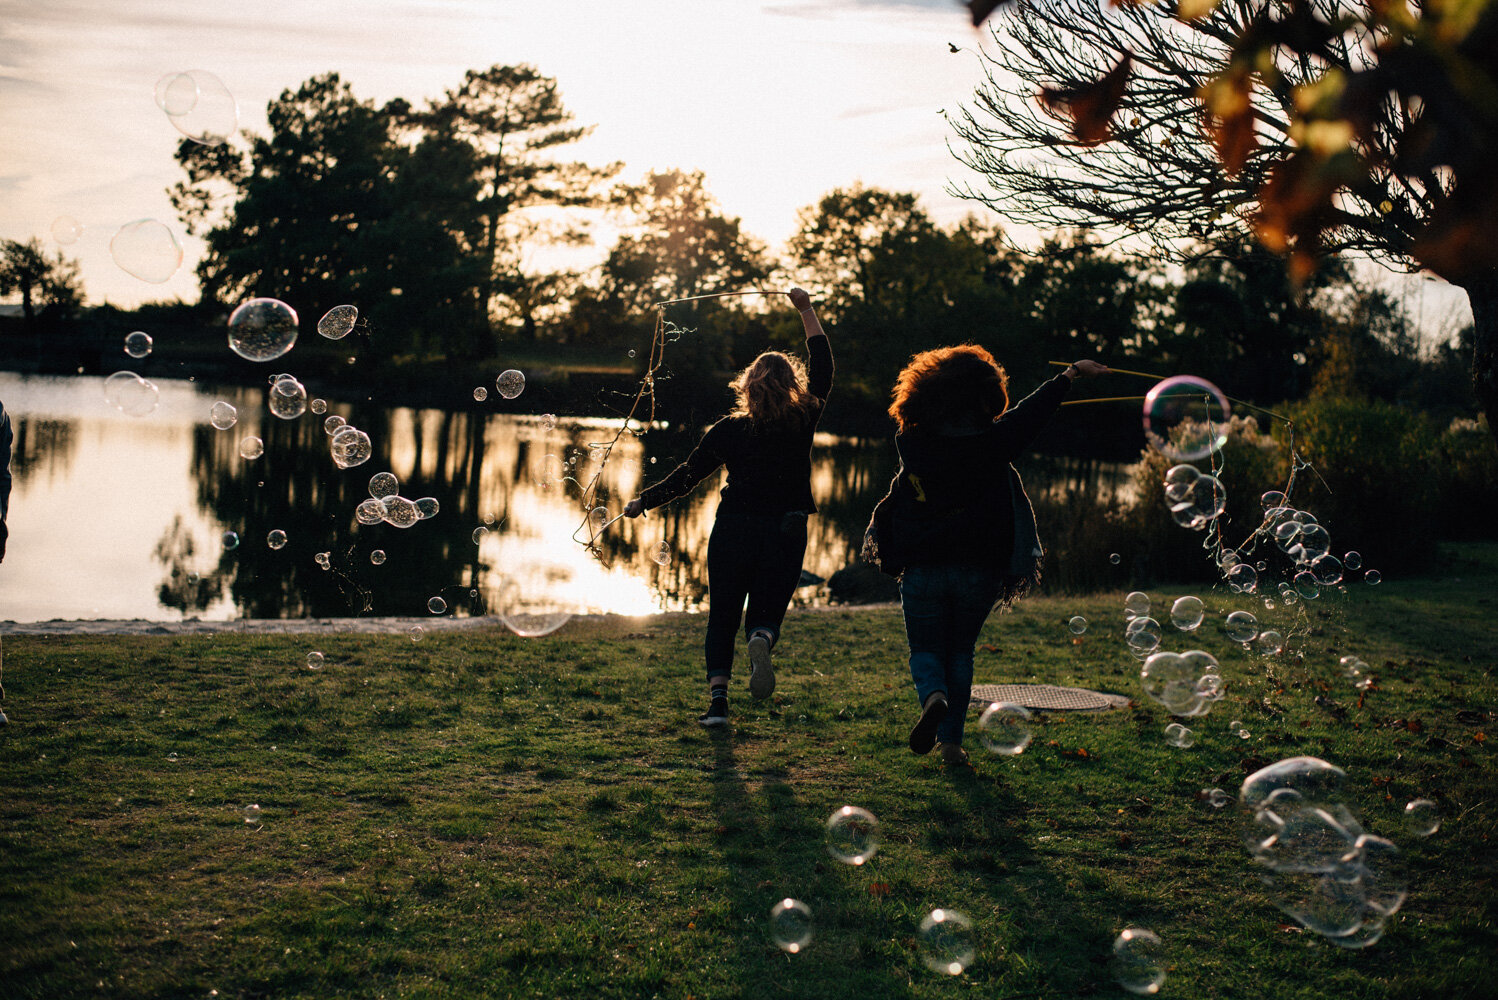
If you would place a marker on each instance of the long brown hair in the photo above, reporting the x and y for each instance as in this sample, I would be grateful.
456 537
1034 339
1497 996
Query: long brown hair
951 385
773 390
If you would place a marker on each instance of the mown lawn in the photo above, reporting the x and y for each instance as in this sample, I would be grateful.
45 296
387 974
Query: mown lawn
482 815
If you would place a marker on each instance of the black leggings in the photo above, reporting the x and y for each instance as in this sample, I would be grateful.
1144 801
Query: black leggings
753 556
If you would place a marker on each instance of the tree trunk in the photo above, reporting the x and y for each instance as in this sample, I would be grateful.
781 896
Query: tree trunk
1482 294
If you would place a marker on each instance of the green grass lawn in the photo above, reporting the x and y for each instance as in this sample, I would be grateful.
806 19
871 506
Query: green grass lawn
482 815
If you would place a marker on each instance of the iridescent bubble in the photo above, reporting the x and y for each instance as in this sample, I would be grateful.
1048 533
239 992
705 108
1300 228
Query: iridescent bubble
251 815
1313 543
231 541
251 447
437 606
350 447
1138 961
510 383
1241 626
1422 817
1242 578
1142 634
377 557
1076 624
480 394
1372 577
199 106
1178 735
1115 558
1353 560
130 394
479 533
138 344
1185 418
427 507
318 406
66 230
146 249
946 941
1306 585
288 398
852 835
1187 613
399 511
262 329
1178 482
631 352
1004 728
790 925
1271 643
276 538
314 660
223 415
337 322
416 632
332 424
1136 604
1327 569
1272 499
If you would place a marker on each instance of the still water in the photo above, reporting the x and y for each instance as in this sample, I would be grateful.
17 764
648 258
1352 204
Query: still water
118 516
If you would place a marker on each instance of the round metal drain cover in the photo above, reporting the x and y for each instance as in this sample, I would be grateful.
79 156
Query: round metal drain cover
1048 697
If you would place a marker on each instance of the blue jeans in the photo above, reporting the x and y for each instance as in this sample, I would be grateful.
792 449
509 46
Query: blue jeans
945 607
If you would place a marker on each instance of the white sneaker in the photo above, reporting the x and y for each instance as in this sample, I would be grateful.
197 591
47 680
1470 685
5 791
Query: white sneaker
761 670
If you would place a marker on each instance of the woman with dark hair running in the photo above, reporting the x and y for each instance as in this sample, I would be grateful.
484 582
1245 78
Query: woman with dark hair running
956 520
759 536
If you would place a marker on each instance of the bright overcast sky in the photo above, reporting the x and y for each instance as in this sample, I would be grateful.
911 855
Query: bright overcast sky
776 102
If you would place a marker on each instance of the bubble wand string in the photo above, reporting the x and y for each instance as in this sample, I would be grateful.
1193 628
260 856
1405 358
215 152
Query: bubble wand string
1157 378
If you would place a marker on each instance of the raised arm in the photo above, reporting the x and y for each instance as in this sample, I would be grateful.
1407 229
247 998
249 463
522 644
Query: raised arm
818 346
1023 421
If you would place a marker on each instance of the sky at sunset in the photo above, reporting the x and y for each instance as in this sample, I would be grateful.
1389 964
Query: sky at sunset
776 102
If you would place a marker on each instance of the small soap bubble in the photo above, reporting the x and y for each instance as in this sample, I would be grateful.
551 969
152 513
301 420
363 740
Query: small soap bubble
427 507
370 511
130 394
1187 613
1242 578
288 398
138 344
479 533
1422 817
332 424
548 421
66 230
1216 797
314 660
661 553
1004 728
1271 643
790 925
399 511
1353 560
480 394
262 329
252 815
1077 624
852 835
1142 635
276 538
1178 735
1372 577
251 447
146 249
416 632
1139 961
350 447
437 606
510 383
1115 558
176 93
231 540
223 415
377 557
946 940
598 516
1241 626
1136 604
318 406
171 757
337 322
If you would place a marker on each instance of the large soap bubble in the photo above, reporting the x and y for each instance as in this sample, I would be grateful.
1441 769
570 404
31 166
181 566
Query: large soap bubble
1187 612
1139 961
199 106
1185 418
262 329
529 613
946 939
131 394
146 249
852 835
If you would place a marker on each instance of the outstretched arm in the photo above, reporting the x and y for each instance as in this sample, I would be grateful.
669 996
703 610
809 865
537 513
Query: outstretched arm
818 346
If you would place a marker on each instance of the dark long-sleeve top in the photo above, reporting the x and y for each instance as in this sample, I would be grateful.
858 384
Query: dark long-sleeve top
6 437
769 467
960 507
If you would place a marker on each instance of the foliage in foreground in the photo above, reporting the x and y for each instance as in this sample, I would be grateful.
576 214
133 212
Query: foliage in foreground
481 815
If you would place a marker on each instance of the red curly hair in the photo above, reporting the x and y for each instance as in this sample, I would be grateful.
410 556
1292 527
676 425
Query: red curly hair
949 385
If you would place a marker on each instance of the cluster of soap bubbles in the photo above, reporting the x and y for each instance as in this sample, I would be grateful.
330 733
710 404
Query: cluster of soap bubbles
1195 498
1320 866
1188 684
199 106
386 504
1356 671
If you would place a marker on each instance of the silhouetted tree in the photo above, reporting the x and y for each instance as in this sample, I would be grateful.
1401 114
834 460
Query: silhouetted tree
42 282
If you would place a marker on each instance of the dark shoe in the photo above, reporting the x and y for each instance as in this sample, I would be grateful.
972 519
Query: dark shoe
923 736
761 670
716 715
953 754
